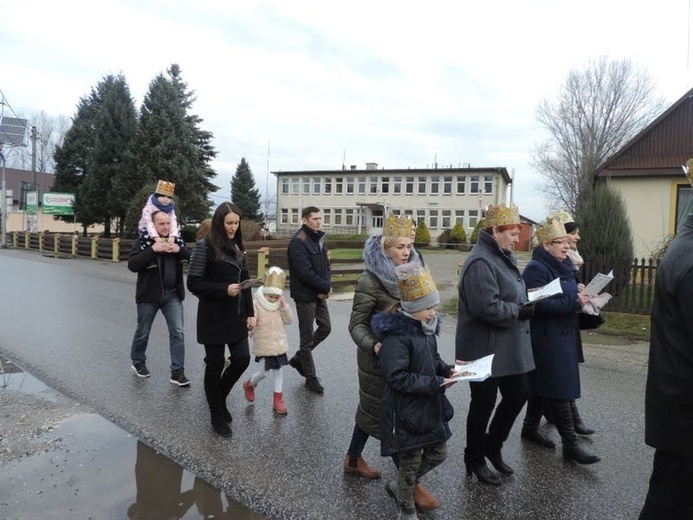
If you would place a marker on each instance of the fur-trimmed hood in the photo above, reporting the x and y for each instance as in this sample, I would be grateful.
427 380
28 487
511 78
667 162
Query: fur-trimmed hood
385 323
378 263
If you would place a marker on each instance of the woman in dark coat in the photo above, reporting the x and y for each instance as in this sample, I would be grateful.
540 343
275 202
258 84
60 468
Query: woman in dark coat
555 337
493 318
225 311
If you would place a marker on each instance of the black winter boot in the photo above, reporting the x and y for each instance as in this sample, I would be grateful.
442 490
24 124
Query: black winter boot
481 470
216 403
580 427
530 427
493 454
563 419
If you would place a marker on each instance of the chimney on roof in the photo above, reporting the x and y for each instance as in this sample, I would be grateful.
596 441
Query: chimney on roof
371 166
353 166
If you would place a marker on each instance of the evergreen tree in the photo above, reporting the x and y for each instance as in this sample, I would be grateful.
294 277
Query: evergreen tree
475 232
170 145
72 158
244 194
457 234
422 237
606 239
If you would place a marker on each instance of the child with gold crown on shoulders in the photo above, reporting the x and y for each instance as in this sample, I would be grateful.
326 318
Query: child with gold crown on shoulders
160 200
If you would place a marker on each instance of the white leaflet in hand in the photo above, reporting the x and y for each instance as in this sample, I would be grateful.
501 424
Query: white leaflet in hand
547 290
250 282
599 282
479 370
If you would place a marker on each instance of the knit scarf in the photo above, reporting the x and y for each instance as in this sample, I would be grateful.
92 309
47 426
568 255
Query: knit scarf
429 328
265 303
168 208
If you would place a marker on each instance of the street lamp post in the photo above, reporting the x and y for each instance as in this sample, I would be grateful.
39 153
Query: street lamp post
3 222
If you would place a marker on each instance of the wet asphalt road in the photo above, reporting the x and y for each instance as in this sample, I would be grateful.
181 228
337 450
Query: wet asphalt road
70 323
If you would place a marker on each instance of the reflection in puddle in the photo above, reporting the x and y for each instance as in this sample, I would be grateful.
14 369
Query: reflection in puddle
160 495
13 378
87 470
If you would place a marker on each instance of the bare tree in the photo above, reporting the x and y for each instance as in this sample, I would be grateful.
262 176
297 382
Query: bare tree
50 132
597 111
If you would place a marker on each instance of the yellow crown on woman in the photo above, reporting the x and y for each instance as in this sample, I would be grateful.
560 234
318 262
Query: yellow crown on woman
275 278
563 217
502 215
550 229
398 226
165 188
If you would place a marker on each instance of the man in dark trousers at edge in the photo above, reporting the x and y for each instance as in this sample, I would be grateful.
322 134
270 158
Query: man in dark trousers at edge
669 391
160 286
309 281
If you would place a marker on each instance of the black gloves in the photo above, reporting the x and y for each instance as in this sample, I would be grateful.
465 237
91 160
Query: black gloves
526 311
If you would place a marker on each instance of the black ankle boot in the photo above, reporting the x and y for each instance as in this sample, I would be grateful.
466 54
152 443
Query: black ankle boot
481 471
538 438
220 426
576 453
580 427
493 454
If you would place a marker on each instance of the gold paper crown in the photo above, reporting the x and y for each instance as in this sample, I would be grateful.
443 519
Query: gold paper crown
165 188
398 226
414 281
688 170
502 215
275 278
563 217
549 230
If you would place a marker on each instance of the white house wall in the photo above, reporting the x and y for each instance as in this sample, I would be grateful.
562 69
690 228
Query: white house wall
648 203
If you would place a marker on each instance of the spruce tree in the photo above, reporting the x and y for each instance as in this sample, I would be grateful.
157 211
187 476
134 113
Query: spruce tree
244 194
171 146
422 237
606 239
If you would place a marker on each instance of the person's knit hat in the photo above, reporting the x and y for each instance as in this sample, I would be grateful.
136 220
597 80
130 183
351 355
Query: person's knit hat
165 188
417 288
275 281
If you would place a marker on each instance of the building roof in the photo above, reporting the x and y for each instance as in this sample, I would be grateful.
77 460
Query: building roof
659 149
409 171
15 177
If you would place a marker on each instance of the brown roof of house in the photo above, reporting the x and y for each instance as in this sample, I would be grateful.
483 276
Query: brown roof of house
659 149
15 177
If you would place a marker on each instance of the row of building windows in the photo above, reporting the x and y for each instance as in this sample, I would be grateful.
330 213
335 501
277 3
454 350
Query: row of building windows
350 217
397 185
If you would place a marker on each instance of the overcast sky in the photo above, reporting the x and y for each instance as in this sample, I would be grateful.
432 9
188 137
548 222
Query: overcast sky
321 83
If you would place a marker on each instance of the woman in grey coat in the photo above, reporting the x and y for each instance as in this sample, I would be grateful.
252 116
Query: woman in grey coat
493 318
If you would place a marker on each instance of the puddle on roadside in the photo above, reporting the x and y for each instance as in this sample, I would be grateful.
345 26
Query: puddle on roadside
100 471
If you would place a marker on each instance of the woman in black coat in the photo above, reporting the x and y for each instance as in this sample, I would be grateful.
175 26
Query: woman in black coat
556 338
225 311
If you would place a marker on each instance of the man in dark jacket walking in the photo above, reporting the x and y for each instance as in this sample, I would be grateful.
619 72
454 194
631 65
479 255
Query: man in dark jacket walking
159 287
669 392
310 287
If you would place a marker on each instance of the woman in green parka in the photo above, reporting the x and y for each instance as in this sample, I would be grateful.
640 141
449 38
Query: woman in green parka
376 290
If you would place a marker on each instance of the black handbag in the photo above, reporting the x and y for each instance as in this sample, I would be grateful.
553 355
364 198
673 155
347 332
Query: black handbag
590 321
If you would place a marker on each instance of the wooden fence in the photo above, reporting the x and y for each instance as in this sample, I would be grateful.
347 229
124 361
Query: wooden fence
260 255
632 287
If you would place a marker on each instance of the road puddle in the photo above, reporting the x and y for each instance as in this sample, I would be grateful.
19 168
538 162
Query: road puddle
70 464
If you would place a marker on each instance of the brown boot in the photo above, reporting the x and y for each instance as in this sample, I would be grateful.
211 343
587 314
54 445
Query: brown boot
361 468
278 404
423 499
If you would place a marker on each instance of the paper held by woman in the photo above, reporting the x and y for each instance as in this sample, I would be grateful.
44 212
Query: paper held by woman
545 291
478 370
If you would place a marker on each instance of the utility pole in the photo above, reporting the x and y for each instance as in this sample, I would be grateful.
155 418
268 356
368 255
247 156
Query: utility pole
33 170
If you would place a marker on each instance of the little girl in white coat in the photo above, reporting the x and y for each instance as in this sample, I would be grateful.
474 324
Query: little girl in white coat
270 343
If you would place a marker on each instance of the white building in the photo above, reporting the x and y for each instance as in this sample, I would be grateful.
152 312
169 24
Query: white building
356 201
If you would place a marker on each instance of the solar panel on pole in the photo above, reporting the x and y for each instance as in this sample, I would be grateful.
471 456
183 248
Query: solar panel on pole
12 133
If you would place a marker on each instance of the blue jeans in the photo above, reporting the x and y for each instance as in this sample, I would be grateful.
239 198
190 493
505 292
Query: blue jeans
172 309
